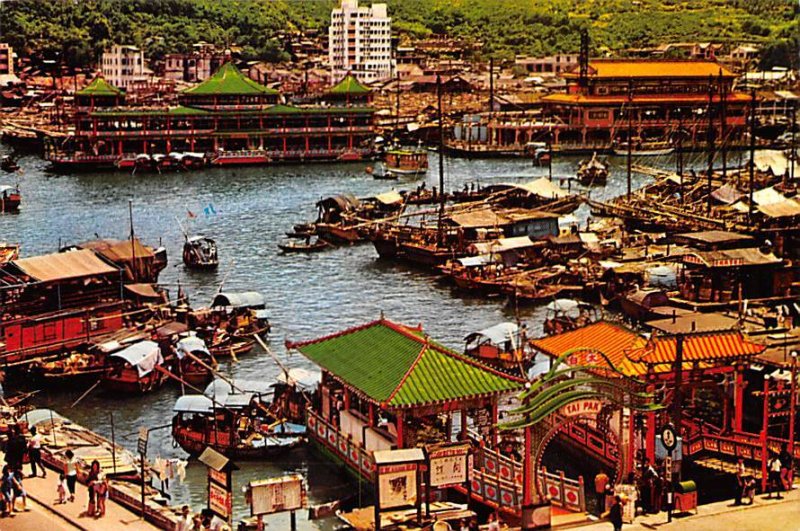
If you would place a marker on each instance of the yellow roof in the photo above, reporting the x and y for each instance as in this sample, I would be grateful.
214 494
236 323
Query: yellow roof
613 68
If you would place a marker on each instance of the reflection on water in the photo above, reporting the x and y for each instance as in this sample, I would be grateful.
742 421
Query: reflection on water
307 296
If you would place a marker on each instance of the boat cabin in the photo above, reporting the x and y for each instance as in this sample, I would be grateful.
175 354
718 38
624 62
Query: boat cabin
10 198
194 361
510 221
141 263
499 345
135 369
200 252
242 312
645 304
726 275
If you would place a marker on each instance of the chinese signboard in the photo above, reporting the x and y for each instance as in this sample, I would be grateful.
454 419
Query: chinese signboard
587 407
448 466
398 485
219 500
269 496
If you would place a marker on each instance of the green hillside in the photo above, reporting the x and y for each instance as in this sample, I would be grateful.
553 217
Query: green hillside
81 29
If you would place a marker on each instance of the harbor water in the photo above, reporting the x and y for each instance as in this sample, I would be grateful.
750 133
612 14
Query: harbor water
247 210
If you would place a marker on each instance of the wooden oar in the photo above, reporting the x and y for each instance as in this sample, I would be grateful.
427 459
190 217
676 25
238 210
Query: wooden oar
92 388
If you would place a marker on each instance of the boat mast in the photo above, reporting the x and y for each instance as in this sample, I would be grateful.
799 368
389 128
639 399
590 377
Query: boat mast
680 152
723 104
491 86
630 135
133 245
710 139
752 153
397 103
793 147
439 234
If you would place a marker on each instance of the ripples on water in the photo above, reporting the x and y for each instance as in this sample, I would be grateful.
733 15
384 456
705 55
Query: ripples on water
308 296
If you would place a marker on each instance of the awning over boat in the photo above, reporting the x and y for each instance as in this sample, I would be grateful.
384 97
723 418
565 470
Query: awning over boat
144 355
475 261
389 198
146 291
771 160
727 194
497 334
193 404
190 345
220 388
768 196
782 209
5 187
118 250
541 187
37 416
504 244
62 266
244 299
344 202
301 378
562 305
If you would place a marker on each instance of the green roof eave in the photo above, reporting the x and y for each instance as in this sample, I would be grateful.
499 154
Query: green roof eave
100 87
229 81
197 111
349 85
411 371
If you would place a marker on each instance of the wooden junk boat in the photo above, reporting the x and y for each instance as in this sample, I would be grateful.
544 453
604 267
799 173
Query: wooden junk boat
244 312
245 420
564 315
407 161
194 362
593 171
137 369
645 149
10 198
540 152
200 252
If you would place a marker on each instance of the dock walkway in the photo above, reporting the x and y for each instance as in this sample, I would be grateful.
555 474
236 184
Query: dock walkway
42 491
763 514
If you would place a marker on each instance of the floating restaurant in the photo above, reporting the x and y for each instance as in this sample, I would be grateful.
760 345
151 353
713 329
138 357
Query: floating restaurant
227 119
608 100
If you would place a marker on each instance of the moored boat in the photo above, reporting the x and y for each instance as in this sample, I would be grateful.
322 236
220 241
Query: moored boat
137 369
407 161
10 198
645 149
9 164
8 252
593 172
258 420
304 247
194 361
238 158
200 252
501 345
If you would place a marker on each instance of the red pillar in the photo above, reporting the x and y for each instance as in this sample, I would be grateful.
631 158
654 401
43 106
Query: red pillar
494 425
371 419
400 422
764 436
527 471
738 400
464 425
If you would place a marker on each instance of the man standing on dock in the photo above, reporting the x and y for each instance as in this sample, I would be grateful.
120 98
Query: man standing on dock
600 484
614 514
740 473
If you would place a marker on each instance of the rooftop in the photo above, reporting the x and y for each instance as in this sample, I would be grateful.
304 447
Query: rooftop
100 87
398 366
648 68
349 85
229 81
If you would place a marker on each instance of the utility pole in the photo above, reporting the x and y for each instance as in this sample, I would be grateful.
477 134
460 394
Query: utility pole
491 86
630 136
752 154
723 110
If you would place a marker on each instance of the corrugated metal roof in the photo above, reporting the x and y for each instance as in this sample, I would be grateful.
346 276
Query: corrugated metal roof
621 68
118 250
397 366
782 209
62 266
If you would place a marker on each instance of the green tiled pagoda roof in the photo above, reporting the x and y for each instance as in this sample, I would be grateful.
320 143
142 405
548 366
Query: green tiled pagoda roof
349 85
399 367
99 87
182 110
229 81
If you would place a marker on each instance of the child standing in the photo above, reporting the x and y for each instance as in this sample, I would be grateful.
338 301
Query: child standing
101 492
62 489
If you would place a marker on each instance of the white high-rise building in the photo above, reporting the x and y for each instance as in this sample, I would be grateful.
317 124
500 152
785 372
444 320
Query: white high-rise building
124 65
360 42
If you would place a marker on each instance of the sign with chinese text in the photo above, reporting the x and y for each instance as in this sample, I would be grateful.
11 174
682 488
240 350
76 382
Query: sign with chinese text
398 485
269 496
219 500
448 466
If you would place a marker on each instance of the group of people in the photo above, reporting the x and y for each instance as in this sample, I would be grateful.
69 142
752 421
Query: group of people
11 481
779 477
203 521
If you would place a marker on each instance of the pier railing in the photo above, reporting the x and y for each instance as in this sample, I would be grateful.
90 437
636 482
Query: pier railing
339 444
563 491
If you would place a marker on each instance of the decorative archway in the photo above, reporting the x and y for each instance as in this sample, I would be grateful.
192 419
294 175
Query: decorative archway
557 389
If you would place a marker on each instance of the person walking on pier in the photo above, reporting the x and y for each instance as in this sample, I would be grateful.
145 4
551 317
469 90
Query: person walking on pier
600 484
91 482
15 449
35 453
740 473
786 468
774 477
71 472
614 514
